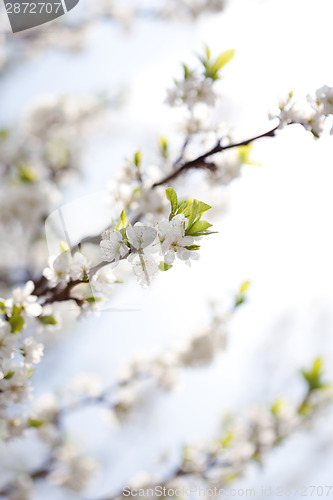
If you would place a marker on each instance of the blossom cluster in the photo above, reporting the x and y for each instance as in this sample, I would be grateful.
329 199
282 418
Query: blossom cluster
35 161
69 467
18 356
132 189
311 114
197 86
244 439
152 247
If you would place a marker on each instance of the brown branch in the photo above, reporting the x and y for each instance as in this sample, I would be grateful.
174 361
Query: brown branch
59 294
200 161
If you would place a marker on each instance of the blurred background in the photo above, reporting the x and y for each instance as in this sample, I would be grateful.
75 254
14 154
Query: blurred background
275 231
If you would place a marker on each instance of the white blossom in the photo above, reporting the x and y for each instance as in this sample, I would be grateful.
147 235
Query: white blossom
59 269
103 281
84 384
140 236
112 246
23 298
33 351
324 98
203 346
229 165
144 267
14 386
192 90
173 240
72 469
79 267
7 341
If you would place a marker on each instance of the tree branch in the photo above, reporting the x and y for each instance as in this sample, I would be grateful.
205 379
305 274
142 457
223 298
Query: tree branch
200 161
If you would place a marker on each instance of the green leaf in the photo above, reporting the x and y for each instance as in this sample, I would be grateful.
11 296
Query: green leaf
122 222
163 144
194 213
137 159
244 153
34 422
16 321
245 286
172 197
228 439
47 320
93 300
313 377
203 207
193 247
198 228
222 60
164 267
27 174
64 247
277 407
186 71
208 53
185 208
9 375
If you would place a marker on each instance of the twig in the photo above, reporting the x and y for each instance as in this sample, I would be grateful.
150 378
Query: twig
200 161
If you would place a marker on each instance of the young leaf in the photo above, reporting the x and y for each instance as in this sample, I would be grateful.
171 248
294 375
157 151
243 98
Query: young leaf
198 228
122 222
194 213
93 300
164 267
172 197
185 208
222 60
203 207
47 320
244 286
137 159
16 322
64 247
163 143
27 174
193 247
34 422
314 376
186 71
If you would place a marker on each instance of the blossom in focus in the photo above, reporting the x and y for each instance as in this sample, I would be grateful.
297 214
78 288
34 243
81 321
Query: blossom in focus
173 240
144 267
140 236
23 298
59 269
112 245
